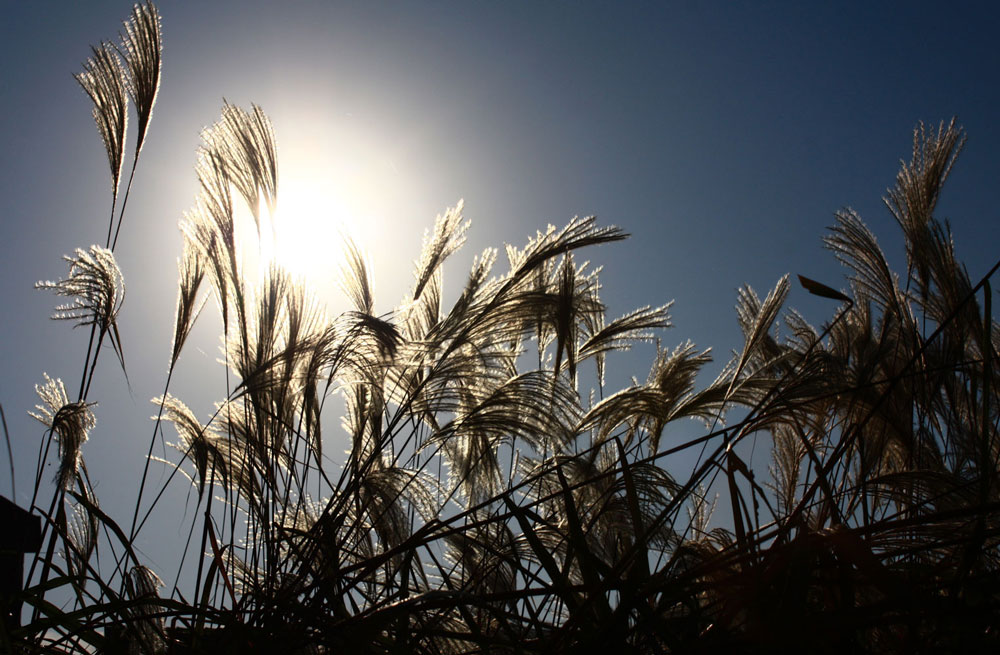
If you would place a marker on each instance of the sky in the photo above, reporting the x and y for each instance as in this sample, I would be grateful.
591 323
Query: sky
721 136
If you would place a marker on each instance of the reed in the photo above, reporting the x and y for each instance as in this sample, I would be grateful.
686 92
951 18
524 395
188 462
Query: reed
485 504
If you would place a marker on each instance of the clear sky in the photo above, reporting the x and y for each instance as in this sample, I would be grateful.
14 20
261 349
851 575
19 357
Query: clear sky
722 136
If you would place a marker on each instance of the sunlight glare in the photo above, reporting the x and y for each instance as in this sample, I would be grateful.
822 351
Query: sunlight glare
310 224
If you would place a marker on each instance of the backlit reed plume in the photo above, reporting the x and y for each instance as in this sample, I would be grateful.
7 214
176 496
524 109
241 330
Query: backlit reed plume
95 285
104 81
190 275
145 629
447 237
244 142
82 533
141 48
70 422
217 459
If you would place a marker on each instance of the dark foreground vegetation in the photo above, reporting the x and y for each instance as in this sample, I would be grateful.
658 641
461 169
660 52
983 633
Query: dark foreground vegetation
489 503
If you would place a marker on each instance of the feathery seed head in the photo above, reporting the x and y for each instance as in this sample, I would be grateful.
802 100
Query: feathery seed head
242 151
141 48
82 531
146 634
447 237
96 286
191 273
104 81
143 583
70 422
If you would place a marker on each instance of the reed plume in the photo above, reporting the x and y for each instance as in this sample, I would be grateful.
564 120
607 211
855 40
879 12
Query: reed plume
104 81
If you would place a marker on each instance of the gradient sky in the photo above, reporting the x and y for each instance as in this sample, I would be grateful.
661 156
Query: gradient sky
722 136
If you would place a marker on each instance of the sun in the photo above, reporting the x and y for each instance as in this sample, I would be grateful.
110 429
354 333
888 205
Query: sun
305 233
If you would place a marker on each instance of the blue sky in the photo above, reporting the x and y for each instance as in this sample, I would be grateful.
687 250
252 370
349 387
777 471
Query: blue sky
722 136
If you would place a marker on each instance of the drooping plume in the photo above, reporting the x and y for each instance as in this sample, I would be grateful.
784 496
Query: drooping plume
70 422
104 81
141 48
95 285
